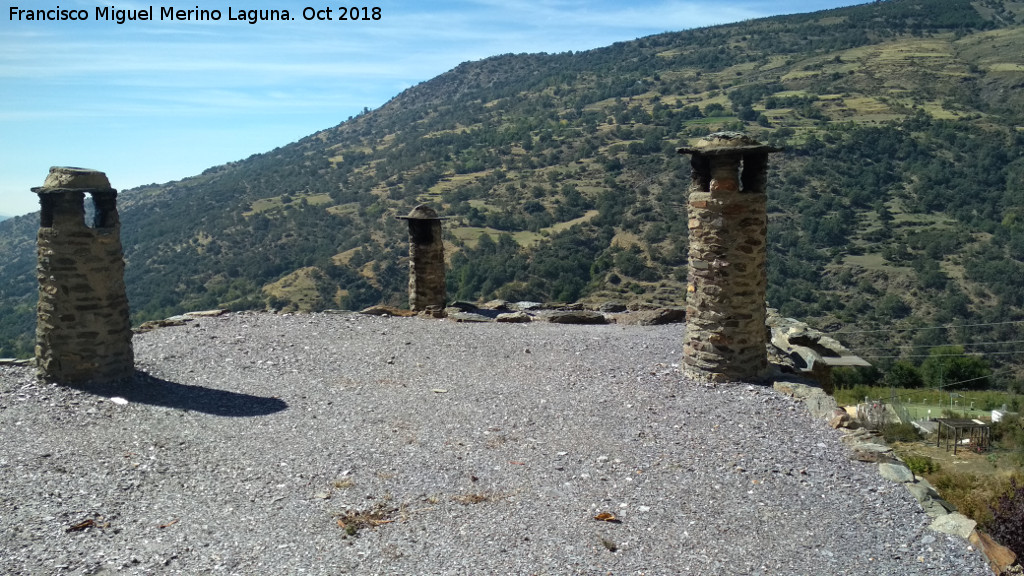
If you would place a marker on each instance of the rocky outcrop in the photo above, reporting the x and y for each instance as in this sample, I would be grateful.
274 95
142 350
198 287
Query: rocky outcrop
895 472
867 445
518 312
1000 558
381 310
818 402
652 317
575 317
840 419
517 317
954 523
460 316
615 307
799 349
179 320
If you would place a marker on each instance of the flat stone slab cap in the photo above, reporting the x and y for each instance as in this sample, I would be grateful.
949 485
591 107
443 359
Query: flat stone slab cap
727 143
422 212
70 178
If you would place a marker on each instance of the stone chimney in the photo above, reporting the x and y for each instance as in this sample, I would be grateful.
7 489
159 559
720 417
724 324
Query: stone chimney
426 259
83 332
726 336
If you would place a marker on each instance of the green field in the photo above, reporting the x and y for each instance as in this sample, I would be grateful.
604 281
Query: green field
972 404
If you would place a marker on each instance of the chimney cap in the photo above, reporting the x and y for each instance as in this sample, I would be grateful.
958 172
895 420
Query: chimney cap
727 143
68 178
422 212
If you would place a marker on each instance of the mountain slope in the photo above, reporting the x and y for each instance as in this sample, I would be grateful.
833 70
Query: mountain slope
899 200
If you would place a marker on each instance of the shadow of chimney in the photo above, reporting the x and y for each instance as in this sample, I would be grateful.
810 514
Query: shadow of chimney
143 388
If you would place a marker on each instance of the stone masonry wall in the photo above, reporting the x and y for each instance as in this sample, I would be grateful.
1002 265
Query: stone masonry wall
426 264
83 331
726 337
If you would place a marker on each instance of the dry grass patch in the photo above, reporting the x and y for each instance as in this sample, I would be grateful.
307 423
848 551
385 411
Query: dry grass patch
624 239
316 199
343 258
299 288
483 205
266 204
871 261
470 235
867 106
343 209
974 495
561 226
991 49
454 181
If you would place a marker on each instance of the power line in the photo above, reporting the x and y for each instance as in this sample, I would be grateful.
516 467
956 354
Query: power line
924 328
943 345
921 390
959 355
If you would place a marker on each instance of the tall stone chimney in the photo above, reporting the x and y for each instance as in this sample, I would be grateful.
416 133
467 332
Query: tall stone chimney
726 336
426 259
83 331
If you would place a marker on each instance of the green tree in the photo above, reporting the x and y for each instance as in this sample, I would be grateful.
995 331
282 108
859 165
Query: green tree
848 377
891 305
949 364
904 375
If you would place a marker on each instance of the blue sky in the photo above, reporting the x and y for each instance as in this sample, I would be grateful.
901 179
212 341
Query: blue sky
154 101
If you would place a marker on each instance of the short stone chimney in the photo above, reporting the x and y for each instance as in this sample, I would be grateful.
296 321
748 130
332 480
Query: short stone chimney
726 336
83 330
426 259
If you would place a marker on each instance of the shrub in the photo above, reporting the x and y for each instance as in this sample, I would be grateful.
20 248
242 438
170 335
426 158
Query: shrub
967 493
900 433
977 497
921 465
1007 524
853 396
1008 434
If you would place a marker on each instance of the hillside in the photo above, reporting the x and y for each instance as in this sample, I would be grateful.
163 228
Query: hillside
899 201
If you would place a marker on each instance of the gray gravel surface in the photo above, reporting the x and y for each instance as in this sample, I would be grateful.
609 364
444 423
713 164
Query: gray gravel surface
346 444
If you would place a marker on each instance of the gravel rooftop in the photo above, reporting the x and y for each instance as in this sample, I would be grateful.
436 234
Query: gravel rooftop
255 443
